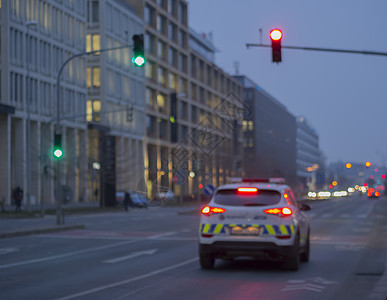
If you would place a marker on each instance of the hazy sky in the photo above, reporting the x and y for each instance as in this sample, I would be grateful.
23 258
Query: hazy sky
342 96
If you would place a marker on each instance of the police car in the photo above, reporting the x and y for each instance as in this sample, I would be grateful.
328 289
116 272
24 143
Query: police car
257 218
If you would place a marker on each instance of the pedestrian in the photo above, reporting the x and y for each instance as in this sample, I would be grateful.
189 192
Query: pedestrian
127 201
18 196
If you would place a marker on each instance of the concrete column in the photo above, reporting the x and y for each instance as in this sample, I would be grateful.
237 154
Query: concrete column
132 160
138 177
35 163
18 155
120 164
5 159
128 164
71 161
83 166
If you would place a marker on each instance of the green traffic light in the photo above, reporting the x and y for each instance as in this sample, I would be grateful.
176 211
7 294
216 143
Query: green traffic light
58 153
138 60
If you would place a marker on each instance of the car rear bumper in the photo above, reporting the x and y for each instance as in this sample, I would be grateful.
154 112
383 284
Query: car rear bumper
250 249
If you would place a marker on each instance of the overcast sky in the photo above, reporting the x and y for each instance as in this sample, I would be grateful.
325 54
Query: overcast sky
342 96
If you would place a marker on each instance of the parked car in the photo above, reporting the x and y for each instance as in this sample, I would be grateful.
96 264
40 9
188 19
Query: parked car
136 199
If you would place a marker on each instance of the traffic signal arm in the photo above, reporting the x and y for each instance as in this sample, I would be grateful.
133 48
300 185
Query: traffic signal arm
323 49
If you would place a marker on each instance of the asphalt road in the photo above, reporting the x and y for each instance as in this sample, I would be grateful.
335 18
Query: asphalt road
152 254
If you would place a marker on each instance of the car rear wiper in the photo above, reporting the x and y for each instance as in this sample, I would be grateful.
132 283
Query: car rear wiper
253 204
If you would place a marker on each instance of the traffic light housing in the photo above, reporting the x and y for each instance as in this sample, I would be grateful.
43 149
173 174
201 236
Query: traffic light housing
276 36
57 150
138 50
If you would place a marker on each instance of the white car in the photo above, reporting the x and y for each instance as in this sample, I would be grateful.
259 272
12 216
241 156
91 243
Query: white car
257 218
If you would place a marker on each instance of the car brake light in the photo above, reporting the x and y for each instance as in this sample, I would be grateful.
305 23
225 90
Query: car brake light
216 210
283 212
247 190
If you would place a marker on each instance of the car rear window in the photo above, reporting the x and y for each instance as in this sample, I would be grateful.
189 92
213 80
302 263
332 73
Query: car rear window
233 198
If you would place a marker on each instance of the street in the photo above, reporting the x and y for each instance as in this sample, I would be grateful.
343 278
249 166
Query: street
152 254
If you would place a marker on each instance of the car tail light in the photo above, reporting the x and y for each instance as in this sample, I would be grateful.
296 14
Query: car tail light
247 190
207 210
282 212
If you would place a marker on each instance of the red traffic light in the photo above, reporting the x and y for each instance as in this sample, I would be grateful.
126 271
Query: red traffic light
276 34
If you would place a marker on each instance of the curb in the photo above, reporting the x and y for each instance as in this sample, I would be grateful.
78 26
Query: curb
39 230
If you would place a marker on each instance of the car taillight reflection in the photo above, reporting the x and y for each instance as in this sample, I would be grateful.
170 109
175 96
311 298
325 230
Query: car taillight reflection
207 210
280 211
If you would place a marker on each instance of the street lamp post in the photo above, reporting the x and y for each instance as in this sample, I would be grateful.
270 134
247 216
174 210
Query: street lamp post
58 196
28 107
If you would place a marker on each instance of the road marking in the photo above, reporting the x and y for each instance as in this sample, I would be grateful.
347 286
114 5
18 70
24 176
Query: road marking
8 250
306 286
133 255
309 285
162 235
112 285
44 259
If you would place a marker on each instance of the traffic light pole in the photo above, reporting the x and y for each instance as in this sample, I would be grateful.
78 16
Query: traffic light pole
323 49
58 194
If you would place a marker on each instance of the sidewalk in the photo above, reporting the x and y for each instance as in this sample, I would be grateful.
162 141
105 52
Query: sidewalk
28 223
16 225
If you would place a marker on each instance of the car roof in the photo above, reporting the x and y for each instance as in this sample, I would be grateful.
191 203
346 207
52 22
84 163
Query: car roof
259 186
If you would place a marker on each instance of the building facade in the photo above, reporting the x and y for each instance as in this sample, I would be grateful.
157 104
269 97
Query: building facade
183 90
115 101
269 146
37 37
308 156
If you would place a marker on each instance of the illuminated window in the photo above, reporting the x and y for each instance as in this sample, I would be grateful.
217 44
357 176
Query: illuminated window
244 123
88 81
96 77
96 42
88 43
93 110
161 102
89 111
251 125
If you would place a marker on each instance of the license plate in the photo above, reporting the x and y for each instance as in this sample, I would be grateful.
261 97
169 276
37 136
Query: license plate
237 230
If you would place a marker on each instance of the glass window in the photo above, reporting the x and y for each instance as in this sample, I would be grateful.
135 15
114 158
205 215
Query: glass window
161 103
161 76
233 198
88 81
173 57
96 77
96 42
163 129
182 13
93 110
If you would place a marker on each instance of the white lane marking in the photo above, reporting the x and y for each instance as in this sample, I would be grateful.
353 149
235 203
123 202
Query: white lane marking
8 250
43 259
314 285
162 235
112 285
133 255
304 286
